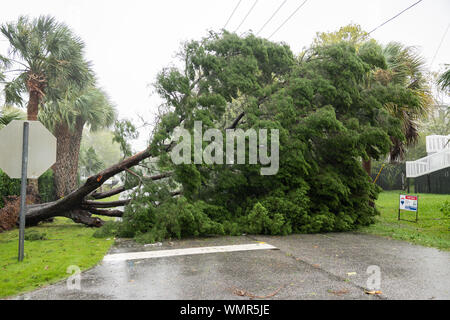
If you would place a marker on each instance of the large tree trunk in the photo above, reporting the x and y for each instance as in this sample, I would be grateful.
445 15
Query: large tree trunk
65 169
60 168
32 115
77 206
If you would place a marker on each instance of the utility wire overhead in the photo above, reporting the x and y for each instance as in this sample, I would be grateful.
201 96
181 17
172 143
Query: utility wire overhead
273 15
295 11
232 14
248 13
440 44
395 16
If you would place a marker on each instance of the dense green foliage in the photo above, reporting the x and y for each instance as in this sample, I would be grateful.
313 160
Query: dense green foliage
47 191
445 208
330 113
11 187
8 187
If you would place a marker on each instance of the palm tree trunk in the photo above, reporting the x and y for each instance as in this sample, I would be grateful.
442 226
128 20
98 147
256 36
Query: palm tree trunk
32 114
75 145
65 169
62 164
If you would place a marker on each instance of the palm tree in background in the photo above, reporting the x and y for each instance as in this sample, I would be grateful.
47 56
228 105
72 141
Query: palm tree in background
44 59
67 118
406 69
8 114
444 80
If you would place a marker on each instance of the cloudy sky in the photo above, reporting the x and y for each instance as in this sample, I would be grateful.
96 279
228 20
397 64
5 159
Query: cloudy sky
129 41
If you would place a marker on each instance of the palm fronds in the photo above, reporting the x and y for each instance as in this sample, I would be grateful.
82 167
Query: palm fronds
406 69
45 56
91 106
444 80
8 114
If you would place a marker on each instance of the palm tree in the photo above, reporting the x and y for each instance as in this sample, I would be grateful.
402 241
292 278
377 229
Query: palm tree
67 119
444 80
45 59
8 114
405 69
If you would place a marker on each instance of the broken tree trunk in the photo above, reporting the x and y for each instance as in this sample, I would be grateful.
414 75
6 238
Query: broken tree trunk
77 207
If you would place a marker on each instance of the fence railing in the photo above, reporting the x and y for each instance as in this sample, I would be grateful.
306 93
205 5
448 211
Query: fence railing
437 143
428 164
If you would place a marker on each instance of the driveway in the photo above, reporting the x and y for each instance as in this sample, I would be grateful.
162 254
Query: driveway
319 266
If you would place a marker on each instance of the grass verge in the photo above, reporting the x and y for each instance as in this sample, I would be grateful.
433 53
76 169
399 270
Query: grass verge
46 261
432 229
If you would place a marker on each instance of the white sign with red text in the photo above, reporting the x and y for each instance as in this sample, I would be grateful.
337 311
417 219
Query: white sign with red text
409 203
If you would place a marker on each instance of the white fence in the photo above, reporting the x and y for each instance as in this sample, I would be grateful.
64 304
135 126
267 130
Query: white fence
428 164
437 143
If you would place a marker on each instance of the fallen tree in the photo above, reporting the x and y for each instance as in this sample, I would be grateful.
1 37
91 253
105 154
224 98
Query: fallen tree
330 114
78 207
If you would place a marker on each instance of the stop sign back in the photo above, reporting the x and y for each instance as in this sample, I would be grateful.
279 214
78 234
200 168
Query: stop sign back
41 149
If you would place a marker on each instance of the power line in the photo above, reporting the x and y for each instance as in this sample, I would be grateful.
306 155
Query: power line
245 18
395 16
273 15
232 14
440 44
298 8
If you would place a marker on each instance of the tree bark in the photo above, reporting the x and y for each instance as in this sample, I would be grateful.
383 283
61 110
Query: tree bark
65 169
32 115
75 206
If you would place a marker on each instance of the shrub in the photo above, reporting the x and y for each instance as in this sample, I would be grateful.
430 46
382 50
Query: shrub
109 229
11 187
445 209
34 235
47 190
8 187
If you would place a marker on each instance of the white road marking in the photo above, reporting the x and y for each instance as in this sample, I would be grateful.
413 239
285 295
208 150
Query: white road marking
183 252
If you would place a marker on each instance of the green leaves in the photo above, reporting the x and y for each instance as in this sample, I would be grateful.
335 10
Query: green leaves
333 107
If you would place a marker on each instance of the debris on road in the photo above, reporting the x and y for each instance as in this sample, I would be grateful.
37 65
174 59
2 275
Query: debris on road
244 293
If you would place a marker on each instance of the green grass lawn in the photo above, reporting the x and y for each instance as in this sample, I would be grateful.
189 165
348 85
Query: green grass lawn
432 229
46 261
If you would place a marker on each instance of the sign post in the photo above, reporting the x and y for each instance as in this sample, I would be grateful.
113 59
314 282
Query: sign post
409 203
28 160
23 190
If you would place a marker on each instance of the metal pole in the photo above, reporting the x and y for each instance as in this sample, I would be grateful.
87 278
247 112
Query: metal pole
23 190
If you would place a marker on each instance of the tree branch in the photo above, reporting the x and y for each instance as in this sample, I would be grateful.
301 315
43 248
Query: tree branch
106 213
236 121
110 204
107 194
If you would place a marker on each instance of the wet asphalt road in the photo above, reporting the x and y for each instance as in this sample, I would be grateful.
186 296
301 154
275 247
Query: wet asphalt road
320 266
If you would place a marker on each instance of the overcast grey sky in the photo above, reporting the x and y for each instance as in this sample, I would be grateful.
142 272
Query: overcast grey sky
129 41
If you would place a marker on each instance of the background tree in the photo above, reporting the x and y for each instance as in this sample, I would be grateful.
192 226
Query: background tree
444 80
352 33
404 72
90 162
67 119
8 114
45 59
102 142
